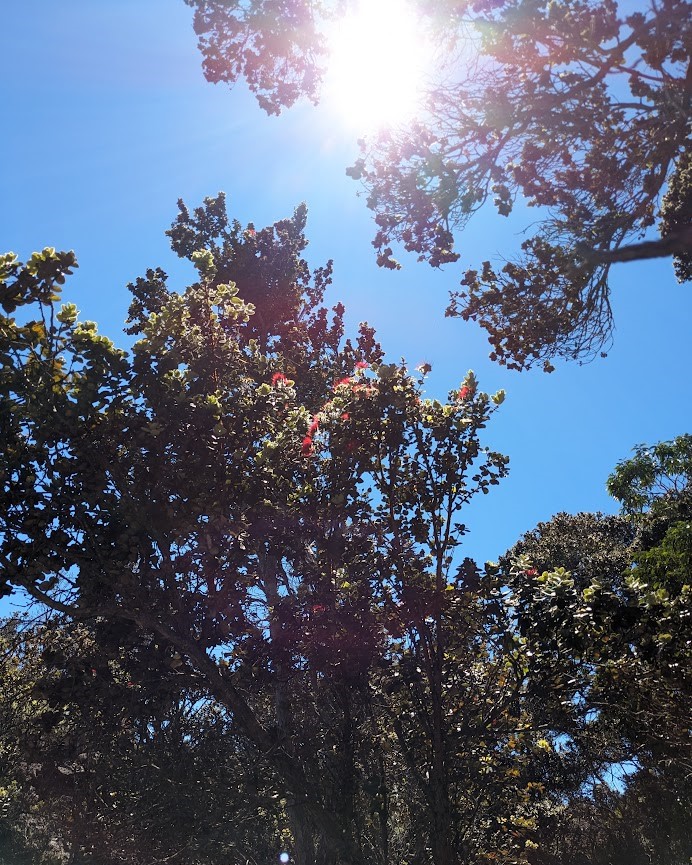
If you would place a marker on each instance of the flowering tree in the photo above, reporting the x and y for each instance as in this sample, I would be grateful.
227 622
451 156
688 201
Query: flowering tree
264 509
578 107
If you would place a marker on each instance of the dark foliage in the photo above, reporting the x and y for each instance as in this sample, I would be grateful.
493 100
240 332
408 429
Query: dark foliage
578 107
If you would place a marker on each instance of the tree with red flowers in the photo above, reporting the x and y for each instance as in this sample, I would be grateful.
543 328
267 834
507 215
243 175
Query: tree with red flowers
257 505
580 108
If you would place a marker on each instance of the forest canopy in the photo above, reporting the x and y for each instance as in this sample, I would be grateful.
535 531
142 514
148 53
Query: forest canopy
245 611
244 536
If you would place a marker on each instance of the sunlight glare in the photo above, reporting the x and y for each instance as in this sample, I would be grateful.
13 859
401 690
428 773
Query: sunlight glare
378 60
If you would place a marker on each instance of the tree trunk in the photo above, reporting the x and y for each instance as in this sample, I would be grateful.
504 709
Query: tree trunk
299 822
441 837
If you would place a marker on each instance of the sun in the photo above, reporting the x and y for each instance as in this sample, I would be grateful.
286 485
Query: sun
379 58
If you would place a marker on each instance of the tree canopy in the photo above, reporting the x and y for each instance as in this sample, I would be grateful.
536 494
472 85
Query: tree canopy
109 755
270 507
580 108
244 536
251 629
603 603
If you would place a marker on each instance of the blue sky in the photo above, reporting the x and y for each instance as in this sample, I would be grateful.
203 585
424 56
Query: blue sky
108 121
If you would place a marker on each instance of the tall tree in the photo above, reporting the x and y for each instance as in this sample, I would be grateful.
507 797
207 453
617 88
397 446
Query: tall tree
578 107
247 492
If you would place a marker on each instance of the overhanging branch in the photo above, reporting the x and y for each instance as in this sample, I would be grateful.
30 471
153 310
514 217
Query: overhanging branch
679 243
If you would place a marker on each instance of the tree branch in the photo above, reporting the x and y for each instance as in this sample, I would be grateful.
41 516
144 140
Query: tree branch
678 243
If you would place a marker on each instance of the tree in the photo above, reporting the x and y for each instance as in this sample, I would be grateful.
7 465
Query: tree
603 604
657 480
248 499
578 107
479 752
114 756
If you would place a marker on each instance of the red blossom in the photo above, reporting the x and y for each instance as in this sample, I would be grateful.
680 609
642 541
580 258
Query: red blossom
319 608
314 426
278 378
362 364
341 382
464 392
531 572
306 447
345 416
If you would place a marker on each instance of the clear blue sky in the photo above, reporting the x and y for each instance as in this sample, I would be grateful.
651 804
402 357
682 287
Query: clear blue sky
107 120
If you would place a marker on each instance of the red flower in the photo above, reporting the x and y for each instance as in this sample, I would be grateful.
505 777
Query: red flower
464 392
314 426
345 416
319 608
531 572
362 364
306 448
278 378
341 381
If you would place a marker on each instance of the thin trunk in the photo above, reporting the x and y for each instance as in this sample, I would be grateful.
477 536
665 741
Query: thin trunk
383 809
441 835
299 821
441 840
